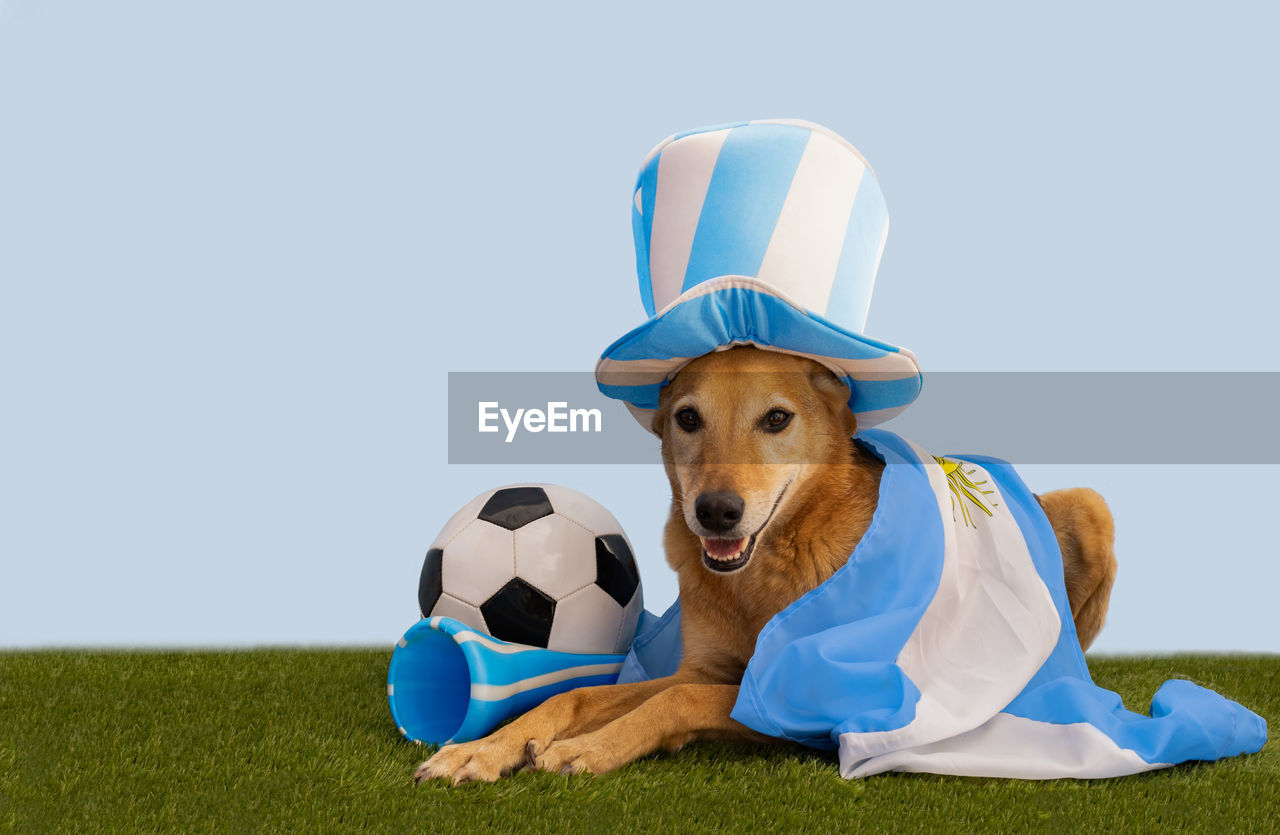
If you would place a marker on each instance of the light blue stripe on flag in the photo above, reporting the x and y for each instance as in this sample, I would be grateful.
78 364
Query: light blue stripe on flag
748 187
856 272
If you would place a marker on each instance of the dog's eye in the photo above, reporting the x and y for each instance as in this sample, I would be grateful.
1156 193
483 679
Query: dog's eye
776 420
688 420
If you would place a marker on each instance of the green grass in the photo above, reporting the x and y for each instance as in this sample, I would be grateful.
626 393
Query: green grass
302 739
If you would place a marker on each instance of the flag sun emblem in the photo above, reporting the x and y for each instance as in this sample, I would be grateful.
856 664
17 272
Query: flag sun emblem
963 487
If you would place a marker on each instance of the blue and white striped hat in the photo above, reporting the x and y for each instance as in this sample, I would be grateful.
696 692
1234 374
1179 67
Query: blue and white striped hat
766 233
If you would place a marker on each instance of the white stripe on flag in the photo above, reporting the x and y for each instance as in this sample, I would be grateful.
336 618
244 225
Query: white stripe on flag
497 692
990 626
684 173
805 248
1013 746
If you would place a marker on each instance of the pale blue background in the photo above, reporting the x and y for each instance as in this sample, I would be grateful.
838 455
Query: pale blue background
241 244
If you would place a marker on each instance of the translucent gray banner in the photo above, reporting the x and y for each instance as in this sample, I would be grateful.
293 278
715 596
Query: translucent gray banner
1023 417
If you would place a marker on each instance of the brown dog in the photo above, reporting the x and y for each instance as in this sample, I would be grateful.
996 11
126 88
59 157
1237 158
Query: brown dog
769 498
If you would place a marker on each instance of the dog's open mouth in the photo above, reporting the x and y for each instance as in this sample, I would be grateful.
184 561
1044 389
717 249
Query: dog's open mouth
725 555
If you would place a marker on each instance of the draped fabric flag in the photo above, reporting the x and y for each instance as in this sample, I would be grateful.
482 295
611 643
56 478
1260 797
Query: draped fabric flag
946 645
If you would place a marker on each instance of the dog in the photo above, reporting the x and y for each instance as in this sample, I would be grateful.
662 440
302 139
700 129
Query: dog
770 495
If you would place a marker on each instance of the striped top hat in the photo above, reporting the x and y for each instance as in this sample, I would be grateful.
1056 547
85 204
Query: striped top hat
764 233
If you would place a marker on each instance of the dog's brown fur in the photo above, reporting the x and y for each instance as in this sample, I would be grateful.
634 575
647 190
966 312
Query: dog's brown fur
809 493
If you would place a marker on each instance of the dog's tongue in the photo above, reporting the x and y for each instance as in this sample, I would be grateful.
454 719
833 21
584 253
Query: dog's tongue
723 549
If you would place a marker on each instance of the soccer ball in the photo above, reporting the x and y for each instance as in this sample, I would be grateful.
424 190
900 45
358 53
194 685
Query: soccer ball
536 564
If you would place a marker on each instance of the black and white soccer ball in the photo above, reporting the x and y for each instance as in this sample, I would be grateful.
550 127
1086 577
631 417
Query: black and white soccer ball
536 564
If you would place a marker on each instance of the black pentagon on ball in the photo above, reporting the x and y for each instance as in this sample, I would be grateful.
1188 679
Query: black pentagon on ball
515 507
519 613
430 582
616 571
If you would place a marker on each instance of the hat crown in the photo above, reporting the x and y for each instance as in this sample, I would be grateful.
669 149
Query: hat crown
785 201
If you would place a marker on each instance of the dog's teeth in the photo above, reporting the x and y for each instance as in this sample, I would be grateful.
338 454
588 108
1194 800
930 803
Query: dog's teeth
724 549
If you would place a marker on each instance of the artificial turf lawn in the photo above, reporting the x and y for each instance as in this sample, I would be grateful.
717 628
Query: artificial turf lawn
302 739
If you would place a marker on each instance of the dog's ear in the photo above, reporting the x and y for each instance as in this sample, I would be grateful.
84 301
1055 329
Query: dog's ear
835 397
659 421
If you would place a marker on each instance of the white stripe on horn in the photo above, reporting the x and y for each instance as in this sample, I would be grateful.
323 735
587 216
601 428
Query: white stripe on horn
491 644
497 692
684 173
805 248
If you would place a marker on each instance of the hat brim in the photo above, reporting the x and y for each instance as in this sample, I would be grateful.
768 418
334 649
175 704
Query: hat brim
738 310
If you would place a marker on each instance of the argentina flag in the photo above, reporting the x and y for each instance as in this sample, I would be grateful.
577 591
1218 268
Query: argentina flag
766 233
946 645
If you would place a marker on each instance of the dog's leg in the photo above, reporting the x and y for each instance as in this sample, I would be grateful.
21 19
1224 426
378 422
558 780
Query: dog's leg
508 748
668 720
1086 537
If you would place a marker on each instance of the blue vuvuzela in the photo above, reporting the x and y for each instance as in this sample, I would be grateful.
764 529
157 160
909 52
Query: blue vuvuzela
451 683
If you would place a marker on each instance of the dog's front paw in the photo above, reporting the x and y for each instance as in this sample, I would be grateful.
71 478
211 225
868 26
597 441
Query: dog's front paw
484 760
580 755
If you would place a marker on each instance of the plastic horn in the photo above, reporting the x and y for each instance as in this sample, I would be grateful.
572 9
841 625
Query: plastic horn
450 683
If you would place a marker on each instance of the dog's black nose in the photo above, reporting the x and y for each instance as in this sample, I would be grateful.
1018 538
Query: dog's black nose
718 510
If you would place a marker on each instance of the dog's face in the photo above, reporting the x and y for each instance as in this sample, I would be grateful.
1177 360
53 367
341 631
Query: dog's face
743 433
